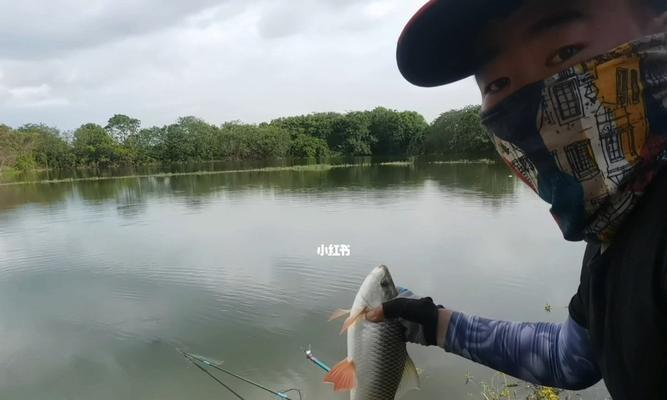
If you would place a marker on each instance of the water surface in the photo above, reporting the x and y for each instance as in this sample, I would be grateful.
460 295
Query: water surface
101 281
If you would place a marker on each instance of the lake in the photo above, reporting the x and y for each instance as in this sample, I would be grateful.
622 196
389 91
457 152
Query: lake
102 281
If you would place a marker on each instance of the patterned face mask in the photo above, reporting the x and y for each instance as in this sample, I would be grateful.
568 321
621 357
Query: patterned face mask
590 139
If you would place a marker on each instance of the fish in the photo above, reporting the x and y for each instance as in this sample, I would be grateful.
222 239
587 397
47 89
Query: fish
377 366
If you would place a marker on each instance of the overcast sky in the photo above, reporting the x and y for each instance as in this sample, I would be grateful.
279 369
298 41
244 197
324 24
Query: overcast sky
68 62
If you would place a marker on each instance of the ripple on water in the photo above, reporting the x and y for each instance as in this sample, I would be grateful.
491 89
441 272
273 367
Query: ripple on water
79 280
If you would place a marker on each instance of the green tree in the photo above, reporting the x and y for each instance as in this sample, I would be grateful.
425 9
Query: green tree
317 125
201 138
460 133
268 142
243 141
17 149
378 132
121 127
94 146
396 133
176 144
9 147
145 146
304 146
415 128
50 150
350 135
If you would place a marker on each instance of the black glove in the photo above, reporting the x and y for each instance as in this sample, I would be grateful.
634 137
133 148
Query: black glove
419 316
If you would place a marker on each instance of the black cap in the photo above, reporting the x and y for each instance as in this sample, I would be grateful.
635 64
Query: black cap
440 43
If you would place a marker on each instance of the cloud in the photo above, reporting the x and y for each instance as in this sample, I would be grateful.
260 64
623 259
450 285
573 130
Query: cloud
281 18
35 96
230 60
45 28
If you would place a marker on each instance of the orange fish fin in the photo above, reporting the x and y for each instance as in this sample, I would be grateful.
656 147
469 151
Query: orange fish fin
339 314
343 376
353 319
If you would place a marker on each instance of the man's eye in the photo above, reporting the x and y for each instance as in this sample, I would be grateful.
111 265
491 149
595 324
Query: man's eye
563 54
497 85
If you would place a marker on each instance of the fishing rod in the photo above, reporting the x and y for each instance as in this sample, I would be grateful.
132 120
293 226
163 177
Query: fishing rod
204 370
193 358
314 360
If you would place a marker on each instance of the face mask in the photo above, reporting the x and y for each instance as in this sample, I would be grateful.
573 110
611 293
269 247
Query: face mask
590 139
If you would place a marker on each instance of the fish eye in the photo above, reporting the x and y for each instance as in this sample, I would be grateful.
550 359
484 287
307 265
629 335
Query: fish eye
563 54
384 283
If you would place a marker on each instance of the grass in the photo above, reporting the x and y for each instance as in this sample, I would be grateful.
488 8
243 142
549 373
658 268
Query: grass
501 387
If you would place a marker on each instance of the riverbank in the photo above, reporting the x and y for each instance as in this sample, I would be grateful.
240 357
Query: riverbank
17 178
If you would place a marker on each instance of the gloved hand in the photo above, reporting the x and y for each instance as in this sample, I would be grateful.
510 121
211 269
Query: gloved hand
419 316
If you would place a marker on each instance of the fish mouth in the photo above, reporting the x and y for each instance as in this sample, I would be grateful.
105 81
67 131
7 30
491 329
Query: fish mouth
389 290
383 269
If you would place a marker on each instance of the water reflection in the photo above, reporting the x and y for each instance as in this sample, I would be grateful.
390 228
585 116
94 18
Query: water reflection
101 280
489 182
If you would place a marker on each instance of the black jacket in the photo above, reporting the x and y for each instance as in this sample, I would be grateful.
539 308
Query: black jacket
622 301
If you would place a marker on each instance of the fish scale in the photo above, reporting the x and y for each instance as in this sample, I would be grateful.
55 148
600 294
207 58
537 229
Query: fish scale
377 363
379 350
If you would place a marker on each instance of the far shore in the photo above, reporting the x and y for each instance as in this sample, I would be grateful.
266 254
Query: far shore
303 167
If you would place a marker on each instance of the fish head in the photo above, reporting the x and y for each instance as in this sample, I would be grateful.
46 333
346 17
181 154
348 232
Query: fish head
378 287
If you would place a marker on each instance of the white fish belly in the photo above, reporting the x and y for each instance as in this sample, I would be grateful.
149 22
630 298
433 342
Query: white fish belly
379 353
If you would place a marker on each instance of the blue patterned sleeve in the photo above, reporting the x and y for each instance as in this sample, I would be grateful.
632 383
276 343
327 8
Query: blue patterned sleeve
554 355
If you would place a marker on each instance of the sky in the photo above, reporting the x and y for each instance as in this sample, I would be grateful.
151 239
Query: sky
69 62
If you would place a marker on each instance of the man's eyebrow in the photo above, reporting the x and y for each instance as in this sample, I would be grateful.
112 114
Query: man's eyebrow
555 21
486 55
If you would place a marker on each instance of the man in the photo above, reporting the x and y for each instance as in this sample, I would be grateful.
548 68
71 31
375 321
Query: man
574 96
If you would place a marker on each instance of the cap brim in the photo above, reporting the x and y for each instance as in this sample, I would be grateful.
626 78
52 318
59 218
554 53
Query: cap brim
440 43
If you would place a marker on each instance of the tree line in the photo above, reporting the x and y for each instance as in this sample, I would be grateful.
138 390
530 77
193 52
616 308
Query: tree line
380 132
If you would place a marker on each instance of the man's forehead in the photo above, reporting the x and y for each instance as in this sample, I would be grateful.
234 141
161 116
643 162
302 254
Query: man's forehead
533 18
427 56
535 12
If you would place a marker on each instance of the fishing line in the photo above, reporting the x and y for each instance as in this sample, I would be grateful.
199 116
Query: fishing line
282 395
238 396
